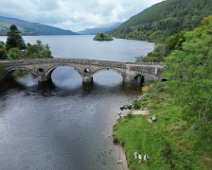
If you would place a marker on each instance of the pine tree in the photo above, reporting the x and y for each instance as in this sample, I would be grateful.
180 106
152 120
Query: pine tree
14 39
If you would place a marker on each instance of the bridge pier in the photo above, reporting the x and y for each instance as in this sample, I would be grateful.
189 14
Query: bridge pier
127 79
45 82
43 79
87 79
132 80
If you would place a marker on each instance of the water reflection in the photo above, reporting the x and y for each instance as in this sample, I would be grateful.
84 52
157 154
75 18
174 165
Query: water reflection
67 81
65 125
27 80
108 78
62 126
66 78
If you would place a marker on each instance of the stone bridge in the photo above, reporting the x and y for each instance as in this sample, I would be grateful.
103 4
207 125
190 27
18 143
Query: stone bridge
42 68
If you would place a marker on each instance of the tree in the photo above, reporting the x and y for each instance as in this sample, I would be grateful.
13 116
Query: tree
15 54
189 70
3 52
103 37
38 50
14 39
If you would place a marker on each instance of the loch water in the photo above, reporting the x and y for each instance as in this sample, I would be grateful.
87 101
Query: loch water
67 126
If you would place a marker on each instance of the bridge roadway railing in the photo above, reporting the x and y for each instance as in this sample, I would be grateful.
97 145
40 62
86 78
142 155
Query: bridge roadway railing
104 63
75 61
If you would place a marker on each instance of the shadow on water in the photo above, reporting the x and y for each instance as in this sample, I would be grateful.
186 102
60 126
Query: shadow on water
75 119
48 89
51 89
66 125
65 81
10 83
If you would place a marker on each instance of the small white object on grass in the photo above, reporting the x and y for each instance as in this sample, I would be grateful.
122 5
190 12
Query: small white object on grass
136 155
139 157
146 158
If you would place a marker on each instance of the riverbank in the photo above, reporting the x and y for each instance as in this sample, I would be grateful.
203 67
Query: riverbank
167 141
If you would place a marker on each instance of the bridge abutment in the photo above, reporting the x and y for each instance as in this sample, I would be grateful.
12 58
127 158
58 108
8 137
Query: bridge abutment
43 78
131 76
127 79
44 81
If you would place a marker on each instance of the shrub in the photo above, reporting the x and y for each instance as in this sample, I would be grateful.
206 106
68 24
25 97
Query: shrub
136 104
130 115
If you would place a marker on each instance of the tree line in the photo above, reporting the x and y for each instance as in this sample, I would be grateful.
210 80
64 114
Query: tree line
15 47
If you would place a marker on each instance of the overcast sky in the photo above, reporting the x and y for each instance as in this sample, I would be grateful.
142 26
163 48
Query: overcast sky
74 15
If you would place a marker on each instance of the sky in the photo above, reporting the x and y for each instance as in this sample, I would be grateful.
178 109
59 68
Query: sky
74 15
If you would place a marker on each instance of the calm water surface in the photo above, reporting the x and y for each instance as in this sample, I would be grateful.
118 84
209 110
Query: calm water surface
85 47
67 126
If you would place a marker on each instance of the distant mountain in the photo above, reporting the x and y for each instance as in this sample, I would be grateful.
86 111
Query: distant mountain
165 18
28 28
103 29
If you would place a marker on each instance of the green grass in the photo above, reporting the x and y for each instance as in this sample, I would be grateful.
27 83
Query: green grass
167 141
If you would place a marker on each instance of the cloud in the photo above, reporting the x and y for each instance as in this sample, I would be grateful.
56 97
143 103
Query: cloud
74 14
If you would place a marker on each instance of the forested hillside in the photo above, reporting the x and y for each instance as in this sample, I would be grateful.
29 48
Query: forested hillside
164 19
28 28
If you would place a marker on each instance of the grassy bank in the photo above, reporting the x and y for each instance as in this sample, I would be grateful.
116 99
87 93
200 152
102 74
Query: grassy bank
170 141
181 138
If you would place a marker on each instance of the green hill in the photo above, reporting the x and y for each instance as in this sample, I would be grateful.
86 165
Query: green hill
164 19
28 28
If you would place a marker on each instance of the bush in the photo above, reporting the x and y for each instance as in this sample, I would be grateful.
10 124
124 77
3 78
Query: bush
130 115
136 104
3 52
15 53
38 50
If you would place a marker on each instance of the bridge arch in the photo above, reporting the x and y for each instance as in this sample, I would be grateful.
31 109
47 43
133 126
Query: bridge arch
50 70
9 71
138 79
119 71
